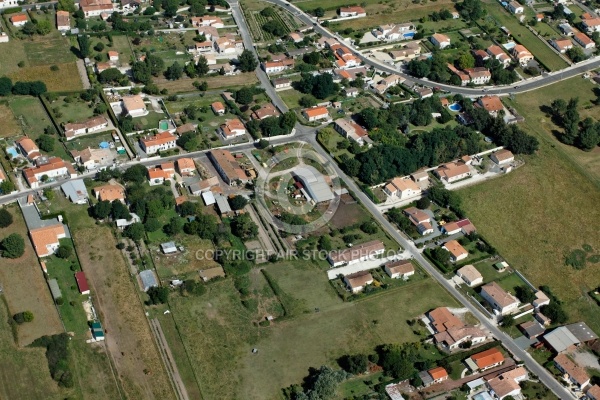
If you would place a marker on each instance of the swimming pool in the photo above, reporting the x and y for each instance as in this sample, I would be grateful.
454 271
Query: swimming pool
163 125
12 151
455 107
409 35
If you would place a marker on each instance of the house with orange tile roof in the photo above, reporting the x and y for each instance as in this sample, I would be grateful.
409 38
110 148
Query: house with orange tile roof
45 240
109 193
502 157
185 166
584 40
232 128
113 55
562 45
452 172
593 393
485 360
442 319
591 25
265 111
491 104
399 269
156 176
352 11
134 105
315 113
356 282
207 20
63 21
402 188
572 372
497 53
218 108
500 300
521 54
159 142
453 337
420 219
227 167
440 40
95 8
470 275
457 252
274 67
19 19
53 167
351 130
28 148
507 383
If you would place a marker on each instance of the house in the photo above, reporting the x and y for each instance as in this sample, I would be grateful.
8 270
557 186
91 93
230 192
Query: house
442 319
130 5
228 167
393 32
211 273
28 148
207 20
465 118
463 76
232 128
352 11
265 111
93 8
384 84
351 92
539 17
470 275
357 253
497 53
440 41
591 25
103 66
464 225
567 29
8 3
160 142
281 83
408 52
312 184
185 128
485 360
185 166
45 240
91 125
541 318
400 269
75 191
209 32
19 19
481 56
433 376
479 75
562 45
227 45
584 40
424 92
351 130
109 193
134 106
156 176
202 47
515 8
315 113
521 54
296 37
352 74
403 188
218 108
503 302
358 281
572 372
457 252
168 248
298 52
454 336
540 299
344 57
420 176
507 383
452 172
113 55
531 329
123 223
420 219
82 284
492 104
561 339
502 157
274 67
593 393
47 168
148 279
63 21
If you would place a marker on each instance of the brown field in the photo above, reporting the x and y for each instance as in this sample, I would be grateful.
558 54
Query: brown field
129 340
65 79
348 214
25 288
214 82
8 122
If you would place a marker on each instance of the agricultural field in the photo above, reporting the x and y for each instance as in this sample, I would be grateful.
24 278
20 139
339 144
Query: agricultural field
549 201
256 20
288 347
119 44
10 126
537 47
208 121
25 288
30 115
185 84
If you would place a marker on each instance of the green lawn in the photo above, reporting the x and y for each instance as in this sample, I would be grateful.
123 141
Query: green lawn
488 272
149 121
291 97
76 110
538 48
30 115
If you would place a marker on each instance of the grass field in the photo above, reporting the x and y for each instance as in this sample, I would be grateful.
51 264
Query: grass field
74 111
25 288
65 79
10 126
538 48
30 115
291 97
537 214
218 328
185 84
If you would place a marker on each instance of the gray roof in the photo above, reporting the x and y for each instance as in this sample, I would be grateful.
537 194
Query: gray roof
425 377
54 289
209 198
582 332
168 247
75 190
561 339
122 222
223 204
299 52
314 183
148 279
532 328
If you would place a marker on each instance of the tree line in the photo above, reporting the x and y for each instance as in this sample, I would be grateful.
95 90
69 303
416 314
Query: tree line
33 88
584 135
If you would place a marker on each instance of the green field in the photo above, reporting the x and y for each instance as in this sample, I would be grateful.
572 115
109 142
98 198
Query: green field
218 328
30 115
539 49
76 110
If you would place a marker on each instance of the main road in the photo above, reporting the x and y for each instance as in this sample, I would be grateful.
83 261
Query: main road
518 87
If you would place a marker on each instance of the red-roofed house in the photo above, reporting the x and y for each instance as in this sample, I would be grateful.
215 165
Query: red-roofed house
218 108
159 142
19 19
52 168
352 11
28 148
584 40
232 128
486 360
315 113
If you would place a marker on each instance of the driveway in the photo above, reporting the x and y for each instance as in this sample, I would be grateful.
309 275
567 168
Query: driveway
364 265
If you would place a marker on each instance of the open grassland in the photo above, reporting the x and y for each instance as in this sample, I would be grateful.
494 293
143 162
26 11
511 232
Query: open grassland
30 115
531 106
536 46
73 111
65 79
48 50
219 334
8 122
214 82
128 340
25 288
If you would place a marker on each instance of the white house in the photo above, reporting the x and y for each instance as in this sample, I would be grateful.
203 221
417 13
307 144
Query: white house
232 128
457 252
134 105
53 167
503 302
46 239
439 40
352 11
515 8
19 19
470 275
351 130
315 113
402 188
358 281
502 157
159 142
400 269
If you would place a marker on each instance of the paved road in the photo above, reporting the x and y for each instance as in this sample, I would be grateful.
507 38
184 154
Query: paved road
520 87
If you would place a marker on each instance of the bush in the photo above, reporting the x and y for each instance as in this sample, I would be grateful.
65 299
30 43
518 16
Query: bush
57 354
6 218
64 252
423 203
158 295
13 246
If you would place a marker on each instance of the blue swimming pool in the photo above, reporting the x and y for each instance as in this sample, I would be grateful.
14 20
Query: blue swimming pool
455 107
12 151
409 35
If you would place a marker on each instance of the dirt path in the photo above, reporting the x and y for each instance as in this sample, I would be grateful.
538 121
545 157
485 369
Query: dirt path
83 74
165 352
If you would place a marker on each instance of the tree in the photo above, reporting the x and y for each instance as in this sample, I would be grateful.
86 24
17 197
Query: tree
84 46
66 5
524 293
243 227
6 218
267 12
22 317
29 28
64 251
99 46
5 86
170 7
274 27
555 312
325 243
238 202
102 209
508 321
247 61
204 226
189 141
119 210
110 75
466 60
423 203
158 295
7 187
319 12
441 255
140 71
152 225
576 54
45 143
43 27
13 246
355 364
244 95
202 67
135 231
589 135
174 72
136 174
188 208
307 101
174 226
369 227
